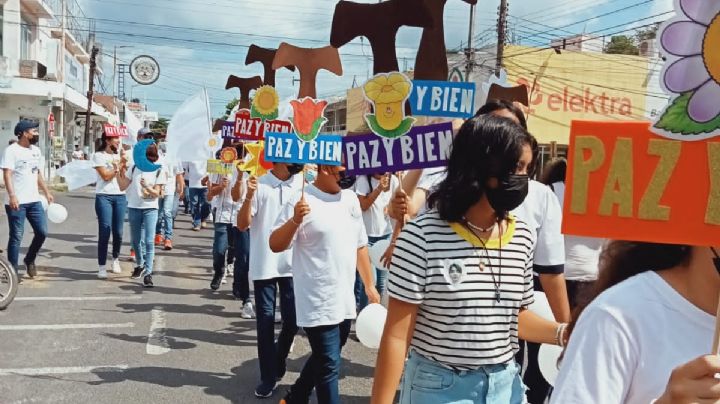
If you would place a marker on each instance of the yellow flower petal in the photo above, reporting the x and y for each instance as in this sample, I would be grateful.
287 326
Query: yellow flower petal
372 95
402 87
396 78
389 97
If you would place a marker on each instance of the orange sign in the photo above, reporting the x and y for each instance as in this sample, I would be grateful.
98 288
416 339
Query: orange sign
626 183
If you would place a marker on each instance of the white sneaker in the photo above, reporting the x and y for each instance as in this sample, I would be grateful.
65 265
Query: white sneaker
223 280
247 311
229 270
102 272
278 317
116 269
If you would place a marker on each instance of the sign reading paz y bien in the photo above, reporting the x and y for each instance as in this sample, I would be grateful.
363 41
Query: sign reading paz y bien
288 148
423 147
248 128
443 98
626 183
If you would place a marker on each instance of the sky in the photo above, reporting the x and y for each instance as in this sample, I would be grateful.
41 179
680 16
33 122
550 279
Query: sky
198 43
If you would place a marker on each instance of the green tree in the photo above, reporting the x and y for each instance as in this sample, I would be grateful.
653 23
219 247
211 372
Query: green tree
647 33
160 126
229 107
622 45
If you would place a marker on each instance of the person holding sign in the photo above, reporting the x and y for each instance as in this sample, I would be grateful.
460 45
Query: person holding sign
461 279
647 332
270 272
110 202
324 227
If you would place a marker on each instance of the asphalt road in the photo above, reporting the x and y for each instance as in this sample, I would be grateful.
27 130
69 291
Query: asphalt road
71 338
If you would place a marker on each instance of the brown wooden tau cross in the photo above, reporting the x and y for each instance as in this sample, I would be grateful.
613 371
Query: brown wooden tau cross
245 84
264 56
308 61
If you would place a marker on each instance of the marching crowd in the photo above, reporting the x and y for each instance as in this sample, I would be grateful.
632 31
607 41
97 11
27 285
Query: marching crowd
469 245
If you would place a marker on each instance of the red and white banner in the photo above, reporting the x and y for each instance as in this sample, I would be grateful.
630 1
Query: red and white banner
114 131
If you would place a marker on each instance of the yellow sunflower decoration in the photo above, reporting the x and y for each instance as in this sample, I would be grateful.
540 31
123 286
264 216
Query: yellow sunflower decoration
388 93
265 103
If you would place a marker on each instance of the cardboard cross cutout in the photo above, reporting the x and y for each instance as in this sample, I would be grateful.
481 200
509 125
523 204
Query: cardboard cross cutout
245 85
379 23
308 61
691 75
388 93
512 94
265 56
431 60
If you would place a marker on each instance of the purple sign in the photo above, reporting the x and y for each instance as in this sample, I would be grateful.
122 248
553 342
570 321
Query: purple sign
228 129
423 147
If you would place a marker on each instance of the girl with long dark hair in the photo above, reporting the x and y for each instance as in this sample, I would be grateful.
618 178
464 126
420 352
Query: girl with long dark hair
646 334
110 202
461 279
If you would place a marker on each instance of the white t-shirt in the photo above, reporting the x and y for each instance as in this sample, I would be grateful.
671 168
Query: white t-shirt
106 160
226 209
25 163
134 191
172 170
628 341
542 212
582 254
77 155
195 171
325 256
269 199
376 219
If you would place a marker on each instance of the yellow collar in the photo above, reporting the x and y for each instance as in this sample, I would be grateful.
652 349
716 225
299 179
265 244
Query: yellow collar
470 237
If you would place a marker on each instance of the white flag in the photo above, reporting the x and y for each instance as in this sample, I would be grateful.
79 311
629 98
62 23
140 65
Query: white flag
189 134
133 126
78 173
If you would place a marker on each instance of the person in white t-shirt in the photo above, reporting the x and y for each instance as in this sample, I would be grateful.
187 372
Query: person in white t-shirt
271 273
199 206
324 227
78 154
168 204
647 335
22 164
143 189
110 202
374 192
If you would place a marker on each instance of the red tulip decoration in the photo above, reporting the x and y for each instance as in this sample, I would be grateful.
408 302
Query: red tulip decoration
308 117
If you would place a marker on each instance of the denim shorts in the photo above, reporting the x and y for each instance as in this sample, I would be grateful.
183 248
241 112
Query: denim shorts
427 382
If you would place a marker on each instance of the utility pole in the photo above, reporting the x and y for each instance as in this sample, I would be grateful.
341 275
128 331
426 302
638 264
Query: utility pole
501 31
91 85
470 50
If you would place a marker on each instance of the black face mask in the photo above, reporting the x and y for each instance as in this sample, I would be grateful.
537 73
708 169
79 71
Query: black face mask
510 193
34 140
346 181
716 260
113 149
295 168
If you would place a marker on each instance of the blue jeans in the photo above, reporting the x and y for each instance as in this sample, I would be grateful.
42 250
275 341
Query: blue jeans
199 207
231 241
361 299
166 214
37 218
110 211
272 355
142 228
322 369
425 381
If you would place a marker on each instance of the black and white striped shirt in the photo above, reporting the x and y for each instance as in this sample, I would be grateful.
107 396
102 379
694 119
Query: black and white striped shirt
460 324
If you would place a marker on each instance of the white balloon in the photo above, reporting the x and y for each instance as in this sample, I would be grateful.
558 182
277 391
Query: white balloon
57 213
377 251
44 202
369 325
541 307
548 362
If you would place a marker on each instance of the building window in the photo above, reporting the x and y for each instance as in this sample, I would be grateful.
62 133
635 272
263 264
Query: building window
26 39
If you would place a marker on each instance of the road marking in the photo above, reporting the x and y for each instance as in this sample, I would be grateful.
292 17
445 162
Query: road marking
75 298
35 327
157 342
61 370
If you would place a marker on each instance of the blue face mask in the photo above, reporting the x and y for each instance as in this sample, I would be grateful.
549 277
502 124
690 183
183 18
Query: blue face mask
310 176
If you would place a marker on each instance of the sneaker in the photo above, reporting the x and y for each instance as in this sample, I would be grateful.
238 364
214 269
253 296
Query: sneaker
132 253
278 317
224 278
287 399
158 239
215 283
229 269
31 270
116 269
203 225
137 272
196 228
102 273
247 311
265 390
168 245
147 281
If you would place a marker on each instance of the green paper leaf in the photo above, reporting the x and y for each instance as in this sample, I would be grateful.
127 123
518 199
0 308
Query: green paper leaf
255 114
401 130
314 131
677 120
